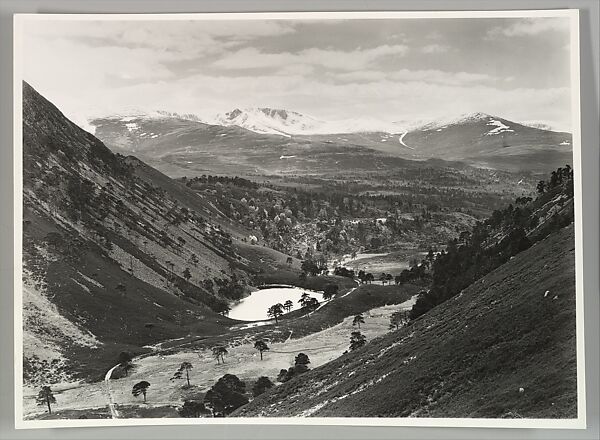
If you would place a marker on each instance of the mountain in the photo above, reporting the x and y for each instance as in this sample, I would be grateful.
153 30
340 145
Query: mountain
502 347
106 241
251 141
491 141
289 123
180 146
270 121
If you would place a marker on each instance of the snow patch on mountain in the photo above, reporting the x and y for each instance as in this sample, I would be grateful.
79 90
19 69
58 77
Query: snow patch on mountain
401 140
132 126
270 121
500 128
288 123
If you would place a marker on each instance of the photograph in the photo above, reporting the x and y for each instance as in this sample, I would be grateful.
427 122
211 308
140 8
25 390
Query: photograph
334 218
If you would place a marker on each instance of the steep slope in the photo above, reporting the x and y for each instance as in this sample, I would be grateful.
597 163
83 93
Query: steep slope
493 241
105 250
509 336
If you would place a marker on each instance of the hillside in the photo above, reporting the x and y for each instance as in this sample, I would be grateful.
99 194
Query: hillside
512 330
265 140
115 254
493 142
180 146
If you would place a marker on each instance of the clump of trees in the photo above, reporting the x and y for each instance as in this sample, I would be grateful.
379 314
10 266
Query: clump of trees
125 362
314 267
562 177
193 408
357 340
300 366
261 385
385 278
219 353
225 396
330 290
308 303
365 277
493 242
343 272
399 318
46 397
275 311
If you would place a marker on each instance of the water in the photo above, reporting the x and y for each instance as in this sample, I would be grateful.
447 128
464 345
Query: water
349 262
255 306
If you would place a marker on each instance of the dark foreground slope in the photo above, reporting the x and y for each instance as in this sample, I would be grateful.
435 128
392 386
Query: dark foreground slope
115 256
468 357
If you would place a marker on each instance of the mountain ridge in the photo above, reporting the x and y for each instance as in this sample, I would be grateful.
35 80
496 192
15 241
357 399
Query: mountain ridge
284 122
178 145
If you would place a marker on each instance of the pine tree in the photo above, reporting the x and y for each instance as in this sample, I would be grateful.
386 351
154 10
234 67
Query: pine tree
46 397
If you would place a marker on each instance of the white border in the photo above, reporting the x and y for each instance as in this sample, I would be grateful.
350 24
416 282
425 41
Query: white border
578 423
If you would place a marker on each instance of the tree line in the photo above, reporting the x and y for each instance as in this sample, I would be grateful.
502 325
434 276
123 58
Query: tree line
493 242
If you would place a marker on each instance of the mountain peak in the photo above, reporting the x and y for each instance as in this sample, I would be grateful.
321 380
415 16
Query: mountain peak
269 120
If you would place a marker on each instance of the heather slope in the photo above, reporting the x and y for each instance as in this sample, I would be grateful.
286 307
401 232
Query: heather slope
106 242
468 357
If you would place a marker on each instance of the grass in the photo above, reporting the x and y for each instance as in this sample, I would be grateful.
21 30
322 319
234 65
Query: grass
467 357
120 320
364 298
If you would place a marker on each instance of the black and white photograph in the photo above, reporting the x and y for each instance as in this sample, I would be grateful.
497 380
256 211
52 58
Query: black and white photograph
318 218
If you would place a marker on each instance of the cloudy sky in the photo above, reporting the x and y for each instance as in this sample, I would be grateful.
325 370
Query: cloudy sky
391 70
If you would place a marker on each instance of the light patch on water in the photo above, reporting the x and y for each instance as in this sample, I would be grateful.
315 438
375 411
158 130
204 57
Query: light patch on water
255 306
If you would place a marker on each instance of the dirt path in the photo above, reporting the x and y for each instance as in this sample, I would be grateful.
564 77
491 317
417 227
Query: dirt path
111 405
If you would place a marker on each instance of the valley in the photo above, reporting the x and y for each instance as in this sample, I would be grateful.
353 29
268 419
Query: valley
152 244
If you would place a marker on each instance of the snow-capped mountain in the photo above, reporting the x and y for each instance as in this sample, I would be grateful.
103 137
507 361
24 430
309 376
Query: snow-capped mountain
478 138
270 121
485 138
289 123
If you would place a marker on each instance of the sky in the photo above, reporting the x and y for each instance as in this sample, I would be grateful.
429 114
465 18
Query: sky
384 69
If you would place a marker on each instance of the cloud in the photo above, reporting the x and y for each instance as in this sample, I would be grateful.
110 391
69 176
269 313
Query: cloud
185 38
296 69
530 26
407 75
387 99
435 48
93 68
252 58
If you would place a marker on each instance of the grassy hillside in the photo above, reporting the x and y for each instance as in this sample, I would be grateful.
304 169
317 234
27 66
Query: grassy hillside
494 142
106 245
468 357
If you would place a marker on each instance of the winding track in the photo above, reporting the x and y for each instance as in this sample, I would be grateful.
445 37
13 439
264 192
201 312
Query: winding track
111 404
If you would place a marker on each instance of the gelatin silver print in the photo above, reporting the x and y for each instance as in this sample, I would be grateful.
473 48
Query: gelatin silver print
326 218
